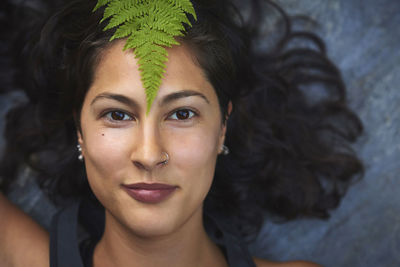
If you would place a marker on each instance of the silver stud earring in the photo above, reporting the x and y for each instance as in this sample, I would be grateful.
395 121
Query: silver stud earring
80 156
224 150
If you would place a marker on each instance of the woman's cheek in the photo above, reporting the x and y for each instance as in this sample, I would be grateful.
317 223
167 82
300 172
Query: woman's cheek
195 154
107 152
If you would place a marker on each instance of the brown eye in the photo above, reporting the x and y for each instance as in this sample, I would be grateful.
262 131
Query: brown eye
182 114
118 116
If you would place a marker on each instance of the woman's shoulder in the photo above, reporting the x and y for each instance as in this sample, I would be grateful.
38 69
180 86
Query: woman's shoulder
23 242
265 263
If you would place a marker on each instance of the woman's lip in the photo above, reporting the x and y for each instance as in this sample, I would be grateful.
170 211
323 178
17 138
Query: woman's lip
152 186
149 193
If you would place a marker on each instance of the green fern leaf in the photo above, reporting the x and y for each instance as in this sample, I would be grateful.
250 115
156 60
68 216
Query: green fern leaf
149 26
128 14
186 6
172 12
100 3
125 30
116 7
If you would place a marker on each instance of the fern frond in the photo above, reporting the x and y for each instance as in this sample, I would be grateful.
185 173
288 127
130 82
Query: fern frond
170 28
101 3
145 51
165 10
186 6
125 30
163 39
149 26
116 7
125 15
137 39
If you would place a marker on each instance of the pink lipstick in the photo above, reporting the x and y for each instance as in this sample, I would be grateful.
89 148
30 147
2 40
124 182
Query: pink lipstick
149 193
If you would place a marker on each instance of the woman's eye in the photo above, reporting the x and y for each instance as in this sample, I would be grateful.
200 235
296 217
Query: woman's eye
118 116
182 114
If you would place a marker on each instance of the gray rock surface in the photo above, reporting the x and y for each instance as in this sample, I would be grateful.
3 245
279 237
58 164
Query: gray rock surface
363 38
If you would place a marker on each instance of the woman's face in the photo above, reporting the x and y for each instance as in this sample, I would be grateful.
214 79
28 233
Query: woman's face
123 146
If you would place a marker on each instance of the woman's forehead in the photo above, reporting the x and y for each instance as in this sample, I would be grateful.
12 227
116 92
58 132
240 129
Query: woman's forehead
118 72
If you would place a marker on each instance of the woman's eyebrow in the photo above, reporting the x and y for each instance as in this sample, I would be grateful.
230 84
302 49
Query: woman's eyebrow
166 99
181 94
117 97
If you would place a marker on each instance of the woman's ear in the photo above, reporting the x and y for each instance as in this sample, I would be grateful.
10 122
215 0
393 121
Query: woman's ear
79 135
230 106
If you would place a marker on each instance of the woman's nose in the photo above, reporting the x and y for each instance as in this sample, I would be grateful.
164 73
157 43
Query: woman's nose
148 153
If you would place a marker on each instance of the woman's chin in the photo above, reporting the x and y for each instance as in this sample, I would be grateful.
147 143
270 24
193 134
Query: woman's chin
151 227
145 222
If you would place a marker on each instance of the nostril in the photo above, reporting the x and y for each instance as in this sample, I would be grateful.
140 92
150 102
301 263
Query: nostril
139 165
149 161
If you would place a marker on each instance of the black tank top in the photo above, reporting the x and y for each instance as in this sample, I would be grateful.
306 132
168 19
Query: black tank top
83 218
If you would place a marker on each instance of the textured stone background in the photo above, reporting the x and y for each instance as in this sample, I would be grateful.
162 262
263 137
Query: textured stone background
363 38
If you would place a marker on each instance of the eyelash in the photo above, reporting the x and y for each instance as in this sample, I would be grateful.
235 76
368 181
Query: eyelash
107 115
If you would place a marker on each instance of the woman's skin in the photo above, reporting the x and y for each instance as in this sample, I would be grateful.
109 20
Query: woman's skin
129 150
22 241
121 145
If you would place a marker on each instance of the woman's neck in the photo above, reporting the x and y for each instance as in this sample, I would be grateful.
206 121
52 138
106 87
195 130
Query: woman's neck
187 246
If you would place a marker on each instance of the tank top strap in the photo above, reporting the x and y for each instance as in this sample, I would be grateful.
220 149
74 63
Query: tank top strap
236 252
64 249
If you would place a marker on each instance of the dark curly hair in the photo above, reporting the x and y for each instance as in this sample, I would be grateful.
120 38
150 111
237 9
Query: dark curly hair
290 150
